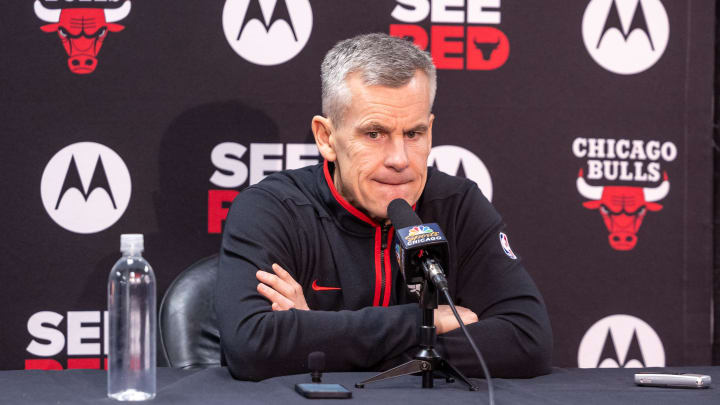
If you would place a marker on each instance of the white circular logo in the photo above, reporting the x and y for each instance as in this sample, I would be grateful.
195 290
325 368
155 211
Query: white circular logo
267 32
457 161
85 187
621 341
625 36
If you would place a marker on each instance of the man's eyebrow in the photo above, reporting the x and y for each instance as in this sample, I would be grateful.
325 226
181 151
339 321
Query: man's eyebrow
373 127
417 128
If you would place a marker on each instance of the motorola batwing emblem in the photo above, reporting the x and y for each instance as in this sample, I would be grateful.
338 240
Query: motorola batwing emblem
85 187
625 36
265 32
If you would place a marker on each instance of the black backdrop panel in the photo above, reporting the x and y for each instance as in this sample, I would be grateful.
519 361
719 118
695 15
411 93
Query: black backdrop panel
173 121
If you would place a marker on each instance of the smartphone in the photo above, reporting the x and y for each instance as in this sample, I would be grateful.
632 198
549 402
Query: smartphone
673 380
322 391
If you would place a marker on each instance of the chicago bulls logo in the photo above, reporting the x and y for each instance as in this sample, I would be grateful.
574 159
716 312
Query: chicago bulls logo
623 208
82 31
493 45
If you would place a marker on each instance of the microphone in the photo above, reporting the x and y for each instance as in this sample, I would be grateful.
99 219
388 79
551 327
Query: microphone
418 246
315 390
424 246
316 364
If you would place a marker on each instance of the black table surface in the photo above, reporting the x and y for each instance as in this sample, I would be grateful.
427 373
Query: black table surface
215 386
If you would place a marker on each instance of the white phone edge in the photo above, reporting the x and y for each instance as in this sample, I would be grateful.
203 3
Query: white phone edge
673 380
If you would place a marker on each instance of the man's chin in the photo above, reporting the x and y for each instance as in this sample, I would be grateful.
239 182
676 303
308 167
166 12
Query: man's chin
381 209
382 195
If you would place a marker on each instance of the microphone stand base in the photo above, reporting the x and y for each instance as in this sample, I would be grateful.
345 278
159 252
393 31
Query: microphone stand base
429 367
427 362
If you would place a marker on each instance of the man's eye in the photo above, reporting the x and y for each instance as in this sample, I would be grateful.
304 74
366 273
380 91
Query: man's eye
373 135
411 134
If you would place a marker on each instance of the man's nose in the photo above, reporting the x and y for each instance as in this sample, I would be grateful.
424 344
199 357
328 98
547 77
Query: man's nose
396 154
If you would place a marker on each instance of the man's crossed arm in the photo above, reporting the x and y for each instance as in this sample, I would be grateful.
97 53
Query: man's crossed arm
285 293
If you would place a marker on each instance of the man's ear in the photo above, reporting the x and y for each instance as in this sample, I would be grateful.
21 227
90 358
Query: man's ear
323 130
432 119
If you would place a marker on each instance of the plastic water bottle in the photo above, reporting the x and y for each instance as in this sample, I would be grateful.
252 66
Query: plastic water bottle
132 324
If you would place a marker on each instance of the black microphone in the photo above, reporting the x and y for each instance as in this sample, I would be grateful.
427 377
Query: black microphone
418 245
316 364
401 214
315 390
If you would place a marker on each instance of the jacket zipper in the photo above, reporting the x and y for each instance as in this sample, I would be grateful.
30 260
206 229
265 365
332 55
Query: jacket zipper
385 262
380 258
377 252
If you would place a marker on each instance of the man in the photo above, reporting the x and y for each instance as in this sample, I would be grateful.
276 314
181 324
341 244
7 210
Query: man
307 263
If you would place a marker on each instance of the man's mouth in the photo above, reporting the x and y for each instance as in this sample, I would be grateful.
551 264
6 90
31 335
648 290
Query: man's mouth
390 182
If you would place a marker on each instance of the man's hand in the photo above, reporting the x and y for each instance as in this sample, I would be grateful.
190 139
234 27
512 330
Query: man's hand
281 289
445 319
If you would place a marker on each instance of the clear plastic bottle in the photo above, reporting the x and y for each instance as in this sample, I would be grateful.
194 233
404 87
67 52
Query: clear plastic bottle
132 324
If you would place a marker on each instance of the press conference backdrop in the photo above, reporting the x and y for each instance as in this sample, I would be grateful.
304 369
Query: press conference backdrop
587 123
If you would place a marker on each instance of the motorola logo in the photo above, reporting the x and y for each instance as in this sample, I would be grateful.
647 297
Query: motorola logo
457 161
85 187
625 36
622 341
267 32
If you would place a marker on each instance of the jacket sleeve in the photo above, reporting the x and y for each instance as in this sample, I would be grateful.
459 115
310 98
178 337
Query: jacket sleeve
513 332
259 343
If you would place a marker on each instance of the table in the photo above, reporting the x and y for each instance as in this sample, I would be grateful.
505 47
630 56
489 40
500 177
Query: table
215 386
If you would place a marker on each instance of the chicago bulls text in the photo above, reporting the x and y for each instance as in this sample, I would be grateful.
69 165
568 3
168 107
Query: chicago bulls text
624 159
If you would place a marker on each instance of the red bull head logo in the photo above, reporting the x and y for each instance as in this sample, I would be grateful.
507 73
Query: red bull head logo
82 31
622 208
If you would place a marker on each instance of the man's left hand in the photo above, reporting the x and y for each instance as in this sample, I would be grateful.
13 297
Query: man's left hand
281 289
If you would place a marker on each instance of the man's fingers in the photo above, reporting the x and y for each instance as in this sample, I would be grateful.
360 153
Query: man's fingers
467 315
284 275
281 289
276 283
445 320
275 297
471 317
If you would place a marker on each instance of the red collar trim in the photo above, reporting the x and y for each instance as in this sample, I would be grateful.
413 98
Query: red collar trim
354 211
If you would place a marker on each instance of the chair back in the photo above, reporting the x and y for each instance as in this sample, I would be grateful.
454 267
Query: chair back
189 335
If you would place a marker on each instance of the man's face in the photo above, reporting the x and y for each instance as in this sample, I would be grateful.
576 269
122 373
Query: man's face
382 144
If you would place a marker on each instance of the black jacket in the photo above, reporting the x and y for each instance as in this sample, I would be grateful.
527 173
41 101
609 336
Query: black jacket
369 320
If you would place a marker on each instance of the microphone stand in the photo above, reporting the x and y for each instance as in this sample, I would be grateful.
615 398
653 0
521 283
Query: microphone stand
427 362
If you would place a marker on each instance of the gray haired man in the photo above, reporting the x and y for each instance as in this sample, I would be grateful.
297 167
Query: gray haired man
307 264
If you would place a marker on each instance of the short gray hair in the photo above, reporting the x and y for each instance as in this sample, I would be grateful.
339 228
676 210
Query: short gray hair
380 59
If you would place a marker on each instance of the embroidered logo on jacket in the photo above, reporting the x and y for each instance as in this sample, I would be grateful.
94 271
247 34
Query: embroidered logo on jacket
505 243
316 287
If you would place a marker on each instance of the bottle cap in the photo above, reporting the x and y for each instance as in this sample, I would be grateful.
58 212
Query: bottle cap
131 243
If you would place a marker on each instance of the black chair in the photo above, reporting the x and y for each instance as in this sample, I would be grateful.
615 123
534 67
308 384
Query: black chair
189 336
